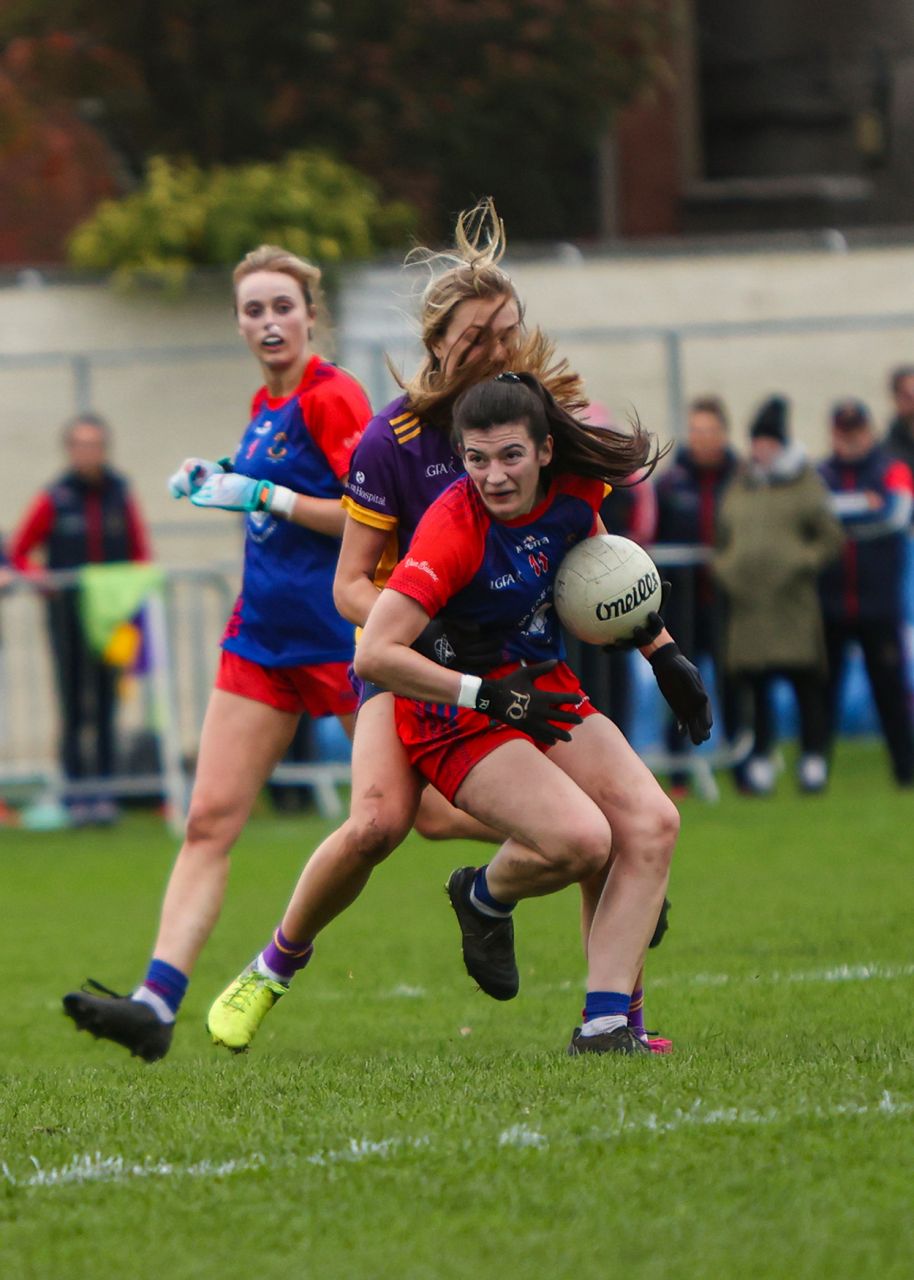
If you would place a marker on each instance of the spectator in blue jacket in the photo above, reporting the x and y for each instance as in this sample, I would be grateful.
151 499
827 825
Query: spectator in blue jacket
862 592
688 497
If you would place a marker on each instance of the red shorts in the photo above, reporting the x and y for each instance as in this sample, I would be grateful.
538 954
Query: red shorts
444 743
321 690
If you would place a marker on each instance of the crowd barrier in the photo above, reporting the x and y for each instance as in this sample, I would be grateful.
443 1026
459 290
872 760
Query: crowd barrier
162 705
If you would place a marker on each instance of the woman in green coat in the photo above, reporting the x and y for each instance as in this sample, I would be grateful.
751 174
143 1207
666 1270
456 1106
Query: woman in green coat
775 535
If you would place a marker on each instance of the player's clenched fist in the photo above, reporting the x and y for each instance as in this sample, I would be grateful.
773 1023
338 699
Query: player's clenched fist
191 474
515 700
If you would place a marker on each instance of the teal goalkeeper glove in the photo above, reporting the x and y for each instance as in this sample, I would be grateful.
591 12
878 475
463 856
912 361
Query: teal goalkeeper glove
192 473
235 492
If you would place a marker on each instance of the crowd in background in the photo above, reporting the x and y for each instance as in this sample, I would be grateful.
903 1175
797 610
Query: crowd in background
799 560
795 561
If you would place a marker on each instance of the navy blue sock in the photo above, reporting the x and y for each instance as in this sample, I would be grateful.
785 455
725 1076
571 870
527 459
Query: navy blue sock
167 982
606 1004
484 902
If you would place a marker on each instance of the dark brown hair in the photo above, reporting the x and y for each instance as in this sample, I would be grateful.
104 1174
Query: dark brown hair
580 449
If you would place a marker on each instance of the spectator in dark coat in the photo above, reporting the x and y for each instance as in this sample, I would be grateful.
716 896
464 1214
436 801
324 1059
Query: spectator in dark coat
862 593
86 516
688 497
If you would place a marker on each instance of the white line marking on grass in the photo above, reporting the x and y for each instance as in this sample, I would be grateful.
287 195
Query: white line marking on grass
99 1168
837 973
363 1148
696 1116
521 1135
84 1169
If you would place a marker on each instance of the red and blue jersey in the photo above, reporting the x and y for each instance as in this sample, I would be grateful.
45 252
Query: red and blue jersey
399 468
499 574
285 616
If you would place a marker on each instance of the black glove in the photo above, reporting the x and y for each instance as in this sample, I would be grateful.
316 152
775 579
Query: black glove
514 700
462 646
649 630
681 685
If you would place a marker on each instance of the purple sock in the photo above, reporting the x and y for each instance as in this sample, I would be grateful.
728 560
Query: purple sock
285 958
636 1013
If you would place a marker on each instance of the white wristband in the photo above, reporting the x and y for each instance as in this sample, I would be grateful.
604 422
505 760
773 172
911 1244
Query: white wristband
283 501
469 691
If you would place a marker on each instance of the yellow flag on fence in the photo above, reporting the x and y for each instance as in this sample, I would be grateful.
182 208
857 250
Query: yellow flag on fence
110 595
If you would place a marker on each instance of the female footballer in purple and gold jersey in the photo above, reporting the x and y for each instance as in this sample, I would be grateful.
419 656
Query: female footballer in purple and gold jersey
286 650
521 748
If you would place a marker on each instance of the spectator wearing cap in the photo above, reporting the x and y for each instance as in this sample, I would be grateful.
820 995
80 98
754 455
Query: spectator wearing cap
899 441
776 533
872 494
688 498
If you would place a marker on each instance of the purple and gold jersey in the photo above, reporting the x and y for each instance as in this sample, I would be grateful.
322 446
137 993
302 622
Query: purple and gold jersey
399 468
284 616
499 574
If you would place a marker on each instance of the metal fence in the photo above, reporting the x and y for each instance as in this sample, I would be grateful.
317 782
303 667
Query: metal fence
161 711
367 355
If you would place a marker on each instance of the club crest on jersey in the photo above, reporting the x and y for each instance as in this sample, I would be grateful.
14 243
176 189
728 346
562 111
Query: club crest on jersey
531 542
277 447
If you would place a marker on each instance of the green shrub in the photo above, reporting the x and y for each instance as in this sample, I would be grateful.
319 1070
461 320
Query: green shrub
185 217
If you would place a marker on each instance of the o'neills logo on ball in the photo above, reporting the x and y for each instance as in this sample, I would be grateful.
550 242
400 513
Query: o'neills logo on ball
643 589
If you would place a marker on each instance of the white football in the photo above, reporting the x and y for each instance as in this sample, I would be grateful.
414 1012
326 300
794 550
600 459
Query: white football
605 588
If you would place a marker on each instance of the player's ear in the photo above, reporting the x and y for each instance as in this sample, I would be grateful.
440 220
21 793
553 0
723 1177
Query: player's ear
544 454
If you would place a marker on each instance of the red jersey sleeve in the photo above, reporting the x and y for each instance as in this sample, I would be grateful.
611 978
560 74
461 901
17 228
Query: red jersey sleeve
337 412
445 552
898 478
32 532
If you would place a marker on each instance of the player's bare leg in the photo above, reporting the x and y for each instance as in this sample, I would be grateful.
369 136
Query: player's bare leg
240 744
560 828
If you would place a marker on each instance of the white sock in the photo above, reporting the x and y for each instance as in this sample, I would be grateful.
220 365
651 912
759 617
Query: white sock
158 1006
599 1026
266 972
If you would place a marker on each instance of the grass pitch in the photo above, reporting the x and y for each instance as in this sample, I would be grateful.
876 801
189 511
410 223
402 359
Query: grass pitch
392 1122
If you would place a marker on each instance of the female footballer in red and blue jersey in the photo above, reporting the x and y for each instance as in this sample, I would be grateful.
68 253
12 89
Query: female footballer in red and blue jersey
500 574
587 810
302 442
286 650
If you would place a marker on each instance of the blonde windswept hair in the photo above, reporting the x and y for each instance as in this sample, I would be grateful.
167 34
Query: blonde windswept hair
471 270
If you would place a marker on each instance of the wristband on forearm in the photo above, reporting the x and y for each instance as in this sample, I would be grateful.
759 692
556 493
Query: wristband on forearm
282 501
469 691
